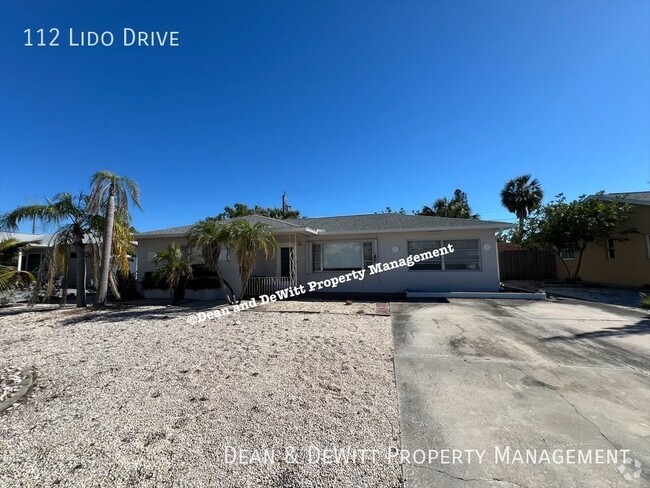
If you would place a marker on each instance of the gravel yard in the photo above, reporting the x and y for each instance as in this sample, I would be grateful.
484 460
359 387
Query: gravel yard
136 396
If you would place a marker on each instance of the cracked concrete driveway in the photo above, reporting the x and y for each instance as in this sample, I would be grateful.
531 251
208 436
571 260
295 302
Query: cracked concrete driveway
528 384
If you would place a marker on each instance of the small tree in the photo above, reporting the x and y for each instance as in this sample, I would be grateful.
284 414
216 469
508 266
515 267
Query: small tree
389 210
75 230
175 268
561 225
213 235
247 240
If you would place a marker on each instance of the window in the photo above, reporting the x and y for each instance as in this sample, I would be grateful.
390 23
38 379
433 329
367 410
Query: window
465 257
611 251
33 262
647 244
341 256
417 247
567 254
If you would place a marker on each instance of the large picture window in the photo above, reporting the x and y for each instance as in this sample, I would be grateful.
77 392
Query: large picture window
465 256
341 256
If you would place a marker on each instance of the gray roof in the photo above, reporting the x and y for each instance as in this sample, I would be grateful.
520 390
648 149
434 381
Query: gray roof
352 223
41 240
635 197
274 224
391 221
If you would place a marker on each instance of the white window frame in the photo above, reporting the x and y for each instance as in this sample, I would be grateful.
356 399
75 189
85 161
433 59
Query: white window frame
372 242
567 250
443 243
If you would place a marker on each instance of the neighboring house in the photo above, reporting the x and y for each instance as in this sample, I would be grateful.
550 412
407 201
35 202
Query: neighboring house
31 258
618 262
315 249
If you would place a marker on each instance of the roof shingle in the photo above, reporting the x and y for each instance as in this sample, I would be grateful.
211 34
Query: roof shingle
352 223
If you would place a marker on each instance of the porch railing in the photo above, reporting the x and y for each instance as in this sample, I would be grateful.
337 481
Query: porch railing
266 285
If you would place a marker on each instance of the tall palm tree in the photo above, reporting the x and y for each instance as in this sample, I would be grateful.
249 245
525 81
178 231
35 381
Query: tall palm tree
10 277
247 240
212 235
111 194
174 267
75 228
521 196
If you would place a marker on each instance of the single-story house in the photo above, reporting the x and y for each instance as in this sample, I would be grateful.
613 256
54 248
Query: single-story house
617 262
318 249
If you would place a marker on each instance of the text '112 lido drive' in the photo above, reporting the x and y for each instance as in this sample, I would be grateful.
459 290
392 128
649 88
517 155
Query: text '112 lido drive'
127 37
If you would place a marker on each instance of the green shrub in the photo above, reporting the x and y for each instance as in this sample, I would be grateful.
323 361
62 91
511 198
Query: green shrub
150 283
645 302
202 279
127 286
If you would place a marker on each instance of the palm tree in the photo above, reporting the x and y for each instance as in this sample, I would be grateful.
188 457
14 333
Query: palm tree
521 196
174 267
111 193
247 240
212 235
456 207
73 234
10 277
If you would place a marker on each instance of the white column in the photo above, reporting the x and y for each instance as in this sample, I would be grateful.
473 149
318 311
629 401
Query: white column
20 259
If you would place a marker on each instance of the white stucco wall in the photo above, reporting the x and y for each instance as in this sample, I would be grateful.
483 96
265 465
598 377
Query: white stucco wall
394 281
402 279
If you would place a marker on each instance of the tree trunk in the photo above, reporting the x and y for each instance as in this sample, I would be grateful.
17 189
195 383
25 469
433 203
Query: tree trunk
64 283
568 271
79 248
102 292
575 275
245 276
223 282
230 298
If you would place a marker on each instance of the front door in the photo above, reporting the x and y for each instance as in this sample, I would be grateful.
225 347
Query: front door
286 255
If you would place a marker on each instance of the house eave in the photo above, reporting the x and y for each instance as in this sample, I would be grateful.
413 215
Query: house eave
419 229
308 231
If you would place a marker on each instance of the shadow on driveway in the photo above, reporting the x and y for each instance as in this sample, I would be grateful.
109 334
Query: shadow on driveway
642 327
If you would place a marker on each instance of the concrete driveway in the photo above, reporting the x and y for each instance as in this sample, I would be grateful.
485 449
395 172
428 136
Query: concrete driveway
527 384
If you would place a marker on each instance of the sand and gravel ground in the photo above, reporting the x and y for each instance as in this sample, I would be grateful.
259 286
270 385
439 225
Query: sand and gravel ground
136 396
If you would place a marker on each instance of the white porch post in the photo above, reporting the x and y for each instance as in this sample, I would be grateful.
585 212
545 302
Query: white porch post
20 260
293 268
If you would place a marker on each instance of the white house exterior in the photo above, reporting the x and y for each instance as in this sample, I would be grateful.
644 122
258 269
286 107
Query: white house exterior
317 249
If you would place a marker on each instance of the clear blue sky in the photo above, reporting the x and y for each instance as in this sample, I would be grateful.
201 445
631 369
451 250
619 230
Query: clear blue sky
348 106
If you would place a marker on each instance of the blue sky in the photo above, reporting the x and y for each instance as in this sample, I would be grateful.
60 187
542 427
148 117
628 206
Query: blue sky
348 106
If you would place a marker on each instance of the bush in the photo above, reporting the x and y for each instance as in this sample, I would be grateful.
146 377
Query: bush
150 283
645 302
127 286
202 279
